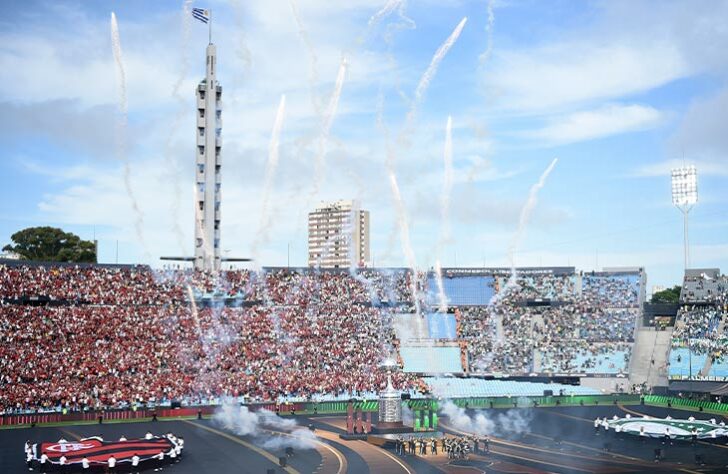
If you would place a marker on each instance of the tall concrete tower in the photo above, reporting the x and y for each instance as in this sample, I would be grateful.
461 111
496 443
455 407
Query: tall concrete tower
207 173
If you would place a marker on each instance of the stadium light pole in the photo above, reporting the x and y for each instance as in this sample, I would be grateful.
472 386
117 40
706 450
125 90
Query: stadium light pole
684 197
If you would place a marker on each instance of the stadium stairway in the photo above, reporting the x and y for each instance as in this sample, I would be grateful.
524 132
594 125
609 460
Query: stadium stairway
537 361
650 344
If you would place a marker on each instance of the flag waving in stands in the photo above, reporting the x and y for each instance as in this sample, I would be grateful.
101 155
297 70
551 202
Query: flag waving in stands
201 14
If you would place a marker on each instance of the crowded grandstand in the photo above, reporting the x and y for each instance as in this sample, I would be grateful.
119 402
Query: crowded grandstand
89 336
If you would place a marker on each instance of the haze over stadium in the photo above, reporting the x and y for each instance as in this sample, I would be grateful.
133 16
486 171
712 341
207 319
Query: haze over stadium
448 210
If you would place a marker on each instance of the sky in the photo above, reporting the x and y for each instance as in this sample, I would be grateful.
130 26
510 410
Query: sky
619 92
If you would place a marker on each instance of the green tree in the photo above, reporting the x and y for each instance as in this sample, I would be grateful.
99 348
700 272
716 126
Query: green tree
50 244
669 295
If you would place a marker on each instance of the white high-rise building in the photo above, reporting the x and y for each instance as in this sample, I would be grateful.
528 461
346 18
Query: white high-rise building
207 172
338 235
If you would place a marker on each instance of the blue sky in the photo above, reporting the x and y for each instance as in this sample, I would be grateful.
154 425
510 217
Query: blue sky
619 92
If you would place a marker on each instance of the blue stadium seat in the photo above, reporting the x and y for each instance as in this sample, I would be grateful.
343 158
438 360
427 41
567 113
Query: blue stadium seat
451 387
441 326
462 290
431 360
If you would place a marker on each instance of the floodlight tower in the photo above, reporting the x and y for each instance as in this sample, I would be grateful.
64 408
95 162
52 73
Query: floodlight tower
684 197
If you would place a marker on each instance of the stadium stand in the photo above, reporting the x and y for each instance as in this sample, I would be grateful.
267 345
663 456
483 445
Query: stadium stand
75 336
431 360
452 387
699 347
587 329
462 290
441 326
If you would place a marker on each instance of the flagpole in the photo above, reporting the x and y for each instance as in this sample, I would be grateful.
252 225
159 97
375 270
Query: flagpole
209 26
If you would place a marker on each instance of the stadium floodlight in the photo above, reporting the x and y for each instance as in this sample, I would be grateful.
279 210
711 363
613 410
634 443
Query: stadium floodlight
684 197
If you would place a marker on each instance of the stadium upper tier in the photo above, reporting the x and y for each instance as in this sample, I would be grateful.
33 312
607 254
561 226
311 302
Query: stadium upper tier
88 335
699 348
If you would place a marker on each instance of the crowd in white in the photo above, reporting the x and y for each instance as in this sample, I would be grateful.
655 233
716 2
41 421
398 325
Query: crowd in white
512 336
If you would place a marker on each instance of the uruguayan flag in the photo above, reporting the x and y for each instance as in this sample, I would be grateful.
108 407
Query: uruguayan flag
200 14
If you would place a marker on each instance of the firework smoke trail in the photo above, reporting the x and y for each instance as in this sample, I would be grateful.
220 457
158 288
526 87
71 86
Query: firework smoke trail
121 146
441 297
489 33
313 57
176 189
428 75
523 219
390 162
405 237
327 121
242 51
270 170
388 8
444 212
193 307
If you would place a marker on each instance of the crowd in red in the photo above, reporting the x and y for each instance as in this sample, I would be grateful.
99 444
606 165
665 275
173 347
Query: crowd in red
126 335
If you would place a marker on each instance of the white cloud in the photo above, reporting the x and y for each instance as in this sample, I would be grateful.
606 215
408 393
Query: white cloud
702 131
597 123
557 75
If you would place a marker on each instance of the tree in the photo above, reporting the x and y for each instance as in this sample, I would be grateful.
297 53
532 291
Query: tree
669 295
50 244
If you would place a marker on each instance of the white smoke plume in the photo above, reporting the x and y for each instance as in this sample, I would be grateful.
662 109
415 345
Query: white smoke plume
388 8
444 213
270 170
313 57
405 237
241 51
524 217
489 34
326 123
408 418
508 423
240 420
459 419
122 126
441 297
390 161
399 6
429 74
186 23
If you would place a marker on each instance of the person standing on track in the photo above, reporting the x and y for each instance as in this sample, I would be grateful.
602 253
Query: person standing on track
112 464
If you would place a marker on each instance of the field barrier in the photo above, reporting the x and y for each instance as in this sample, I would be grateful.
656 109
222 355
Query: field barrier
341 407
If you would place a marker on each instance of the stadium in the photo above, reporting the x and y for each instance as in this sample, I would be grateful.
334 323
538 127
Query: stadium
362 356
305 344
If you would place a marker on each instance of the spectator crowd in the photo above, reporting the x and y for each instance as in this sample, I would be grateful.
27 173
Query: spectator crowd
589 329
115 336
